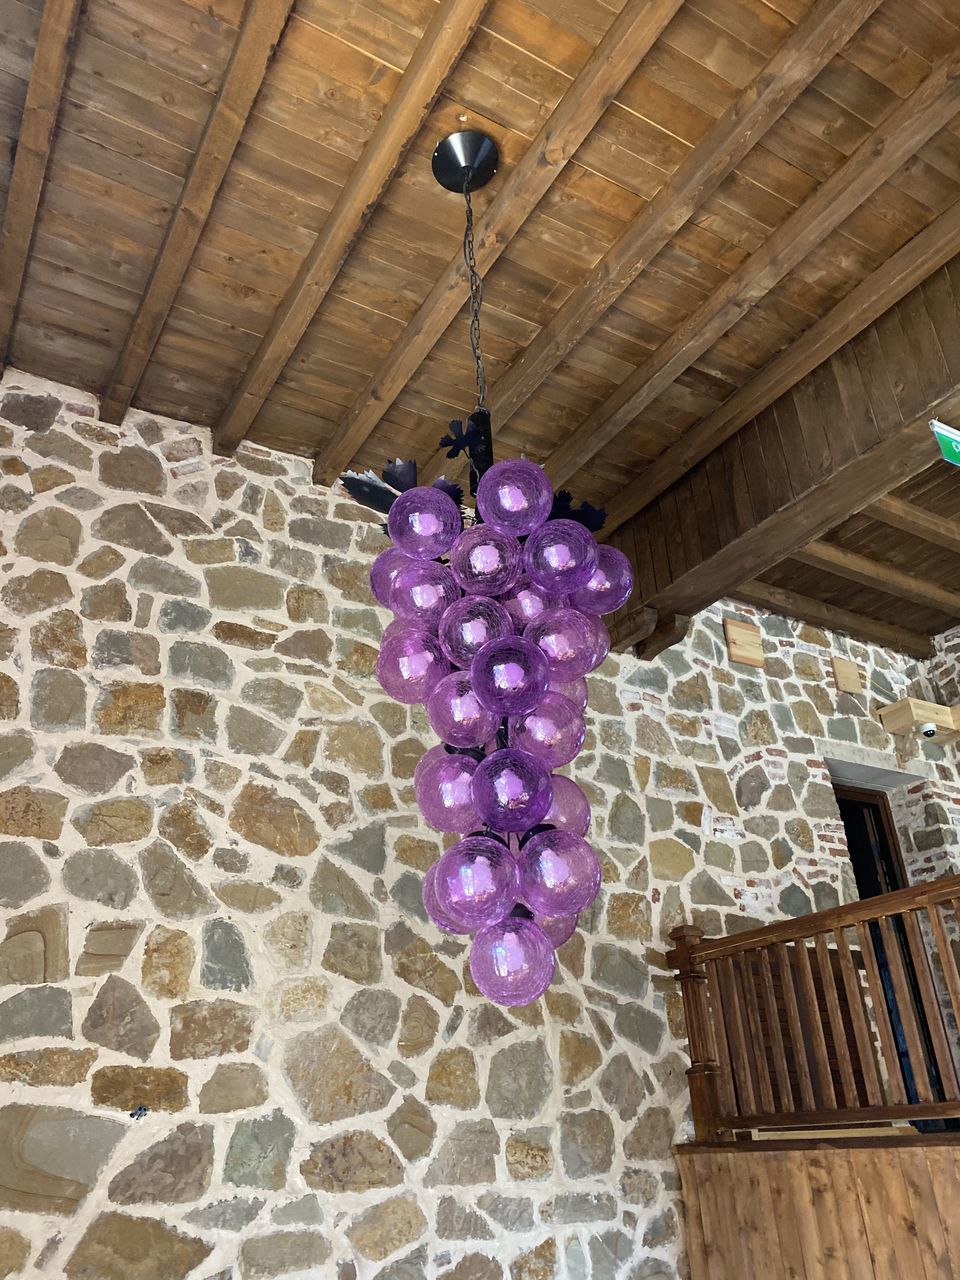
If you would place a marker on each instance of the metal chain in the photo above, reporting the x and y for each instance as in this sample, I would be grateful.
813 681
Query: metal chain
476 296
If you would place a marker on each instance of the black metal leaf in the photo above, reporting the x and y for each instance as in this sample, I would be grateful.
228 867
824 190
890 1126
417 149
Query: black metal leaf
400 475
455 491
369 490
456 441
592 518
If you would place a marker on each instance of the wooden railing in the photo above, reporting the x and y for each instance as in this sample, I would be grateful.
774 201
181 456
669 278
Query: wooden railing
848 1016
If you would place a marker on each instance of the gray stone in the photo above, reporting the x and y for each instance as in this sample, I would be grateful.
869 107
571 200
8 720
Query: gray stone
259 1151
50 535
578 1206
619 970
240 587
467 1156
306 1210
15 750
58 700
203 664
520 1079
99 875
412 1128
321 532
794 902
626 821
264 1257
704 890
331 1079
92 768
166 579
335 892
355 1161
365 848
225 1215
354 952
224 965
173 889
457 1222
52 1156
511 1212
751 787
274 696
182 616
132 467
407 893
640 1026
174 1170
586 1143
39 1011
128 525
372 1014
30 410
652 1137
251 734
608 1253
127 649
23 875
621 1087
120 1019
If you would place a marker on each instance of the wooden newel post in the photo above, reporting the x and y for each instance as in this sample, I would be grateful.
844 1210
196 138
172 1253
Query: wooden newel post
703 1072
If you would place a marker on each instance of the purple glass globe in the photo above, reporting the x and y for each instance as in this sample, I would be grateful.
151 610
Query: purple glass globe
423 592
455 713
485 562
559 929
553 731
512 962
443 782
384 569
609 586
570 809
527 601
515 497
559 873
511 790
468 624
432 906
510 676
576 691
410 663
601 639
477 882
424 522
561 556
565 637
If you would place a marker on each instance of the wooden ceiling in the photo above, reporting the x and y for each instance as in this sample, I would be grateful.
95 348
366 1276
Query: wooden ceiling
223 211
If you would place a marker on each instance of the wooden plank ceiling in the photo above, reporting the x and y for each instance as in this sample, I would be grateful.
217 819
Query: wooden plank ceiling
222 210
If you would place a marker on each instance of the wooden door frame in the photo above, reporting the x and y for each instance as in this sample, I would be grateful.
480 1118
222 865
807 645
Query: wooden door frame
843 791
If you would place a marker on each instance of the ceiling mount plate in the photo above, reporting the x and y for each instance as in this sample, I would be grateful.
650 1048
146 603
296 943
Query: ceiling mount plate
469 156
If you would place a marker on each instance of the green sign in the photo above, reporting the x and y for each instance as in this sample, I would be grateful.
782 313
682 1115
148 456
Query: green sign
948 438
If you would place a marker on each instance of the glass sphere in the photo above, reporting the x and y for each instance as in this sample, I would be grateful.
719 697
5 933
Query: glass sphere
510 676
477 882
559 929
384 569
455 713
601 639
553 731
423 592
561 556
443 782
512 962
511 790
468 624
526 601
609 586
515 496
424 522
485 562
559 873
565 637
410 663
570 809
432 906
576 691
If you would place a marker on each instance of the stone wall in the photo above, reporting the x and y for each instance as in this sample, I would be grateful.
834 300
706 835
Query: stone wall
231 1044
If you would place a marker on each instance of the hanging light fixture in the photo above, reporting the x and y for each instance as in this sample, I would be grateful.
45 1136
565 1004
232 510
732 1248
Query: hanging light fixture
496 623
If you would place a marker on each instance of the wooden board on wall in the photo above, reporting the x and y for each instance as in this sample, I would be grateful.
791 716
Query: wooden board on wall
744 642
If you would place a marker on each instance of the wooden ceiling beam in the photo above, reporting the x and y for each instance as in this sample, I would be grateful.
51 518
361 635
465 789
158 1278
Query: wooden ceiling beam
809 48
908 267
630 37
51 59
437 53
859 626
895 140
906 517
263 25
858 568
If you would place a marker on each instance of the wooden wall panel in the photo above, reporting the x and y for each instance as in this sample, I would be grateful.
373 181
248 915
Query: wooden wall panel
868 1209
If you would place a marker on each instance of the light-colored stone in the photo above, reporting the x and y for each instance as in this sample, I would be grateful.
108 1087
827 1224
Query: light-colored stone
265 818
386 1227
331 1079
117 1246
208 1028
283 1253
174 1170
52 1156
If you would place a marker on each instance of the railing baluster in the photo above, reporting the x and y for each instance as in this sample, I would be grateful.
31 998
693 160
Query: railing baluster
888 1047
797 1040
820 1059
748 984
725 1085
930 1005
839 1031
858 1016
908 1017
948 962
743 1079
775 1034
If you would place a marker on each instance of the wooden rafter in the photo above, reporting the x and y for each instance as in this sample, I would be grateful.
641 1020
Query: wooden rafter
624 46
931 106
830 558
764 595
444 40
51 59
907 268
262 27
812 44
914 520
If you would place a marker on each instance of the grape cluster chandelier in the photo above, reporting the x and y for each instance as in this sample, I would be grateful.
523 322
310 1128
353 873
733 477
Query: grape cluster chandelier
496 624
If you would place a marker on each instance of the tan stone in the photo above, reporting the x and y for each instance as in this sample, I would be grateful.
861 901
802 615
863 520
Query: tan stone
356 745
306 604
453 1080
264 817
332 1080
62 1067
168 959
282 1253
122 820
33 592
125 707
120 1019
106 946
52 1156
327 701
118 1247
30 811
58 641
247 895
386 1227
412 1128
208 1028
174 1170
562 1006
234 1086
299 999
162 765
669 859
182 825
101 563
353 1161
9 698
579 1057
529 1157
418 1028
418 965
50 535
290 938
629 917
35 947
126 1088
14 1251
536 1264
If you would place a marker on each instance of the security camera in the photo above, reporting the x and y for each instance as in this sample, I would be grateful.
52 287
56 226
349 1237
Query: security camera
929 729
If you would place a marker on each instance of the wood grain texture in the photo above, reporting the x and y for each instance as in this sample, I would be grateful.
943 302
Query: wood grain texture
883 577
40 109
